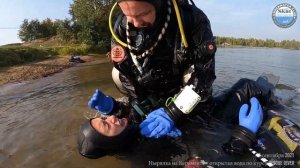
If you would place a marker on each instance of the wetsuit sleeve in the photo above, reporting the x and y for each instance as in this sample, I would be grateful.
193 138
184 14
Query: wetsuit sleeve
124 85
240 142
120 31
122 107
229 102
120 27
201 52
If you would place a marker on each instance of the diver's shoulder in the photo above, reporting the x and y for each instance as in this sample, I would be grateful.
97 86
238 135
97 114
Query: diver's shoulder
194 11
120 21
120 26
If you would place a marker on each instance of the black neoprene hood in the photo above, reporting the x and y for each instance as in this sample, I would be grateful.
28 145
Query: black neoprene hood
93 144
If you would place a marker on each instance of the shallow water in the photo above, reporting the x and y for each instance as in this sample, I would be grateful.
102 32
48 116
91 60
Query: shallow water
39 119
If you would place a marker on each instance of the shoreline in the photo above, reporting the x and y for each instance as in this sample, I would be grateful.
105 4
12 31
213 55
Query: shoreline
40 69
241 46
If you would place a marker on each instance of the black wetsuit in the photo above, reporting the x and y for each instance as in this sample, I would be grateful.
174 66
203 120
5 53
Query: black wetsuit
223 120
205 139
164 67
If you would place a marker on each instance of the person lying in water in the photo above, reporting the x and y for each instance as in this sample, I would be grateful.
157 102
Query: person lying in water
99 136
200 142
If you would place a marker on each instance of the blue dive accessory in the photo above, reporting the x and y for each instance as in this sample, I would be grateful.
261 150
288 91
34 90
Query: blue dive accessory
159 124
101 102
253 119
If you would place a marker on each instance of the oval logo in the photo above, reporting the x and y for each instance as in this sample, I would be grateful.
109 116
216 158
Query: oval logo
117 53
284 15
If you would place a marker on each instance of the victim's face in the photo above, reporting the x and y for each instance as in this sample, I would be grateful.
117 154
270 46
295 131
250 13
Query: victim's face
139 13
111 126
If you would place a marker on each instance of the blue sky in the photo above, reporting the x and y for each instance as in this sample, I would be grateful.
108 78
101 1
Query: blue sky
248 18
234 18
13 12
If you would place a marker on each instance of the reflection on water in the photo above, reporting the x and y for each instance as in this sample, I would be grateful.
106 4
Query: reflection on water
39 119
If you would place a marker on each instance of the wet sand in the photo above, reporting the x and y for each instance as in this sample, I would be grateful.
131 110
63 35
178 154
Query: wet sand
37 70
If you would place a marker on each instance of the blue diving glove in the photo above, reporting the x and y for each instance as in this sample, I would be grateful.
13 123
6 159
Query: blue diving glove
175 132
253 120
101 102
159 124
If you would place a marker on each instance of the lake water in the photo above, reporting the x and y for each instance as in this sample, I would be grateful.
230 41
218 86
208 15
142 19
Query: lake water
39 119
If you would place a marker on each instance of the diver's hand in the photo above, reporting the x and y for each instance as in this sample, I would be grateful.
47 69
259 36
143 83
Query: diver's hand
101 102
253 120
159 124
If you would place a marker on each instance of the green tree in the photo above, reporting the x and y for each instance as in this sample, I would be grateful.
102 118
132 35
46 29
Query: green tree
66 29
91 17
47 28
24 34
30 30
291 44
34 29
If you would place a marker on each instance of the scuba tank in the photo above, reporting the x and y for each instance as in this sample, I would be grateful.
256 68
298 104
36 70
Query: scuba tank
283 134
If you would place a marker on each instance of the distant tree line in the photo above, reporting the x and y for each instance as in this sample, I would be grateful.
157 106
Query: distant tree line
88 24
35 29
225 41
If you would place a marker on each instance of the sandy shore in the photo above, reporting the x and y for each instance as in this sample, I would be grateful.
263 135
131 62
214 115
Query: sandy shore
37 70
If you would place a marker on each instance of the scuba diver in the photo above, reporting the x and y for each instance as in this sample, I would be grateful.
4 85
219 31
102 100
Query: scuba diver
98 137
259 129
155 43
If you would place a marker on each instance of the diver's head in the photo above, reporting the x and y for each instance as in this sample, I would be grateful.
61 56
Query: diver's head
141 13
98 137
110 126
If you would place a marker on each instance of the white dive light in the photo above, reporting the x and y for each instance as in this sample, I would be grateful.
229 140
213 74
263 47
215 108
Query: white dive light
187 100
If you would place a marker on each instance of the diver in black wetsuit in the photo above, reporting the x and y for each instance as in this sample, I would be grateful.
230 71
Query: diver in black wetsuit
205 141
151 53
91 138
